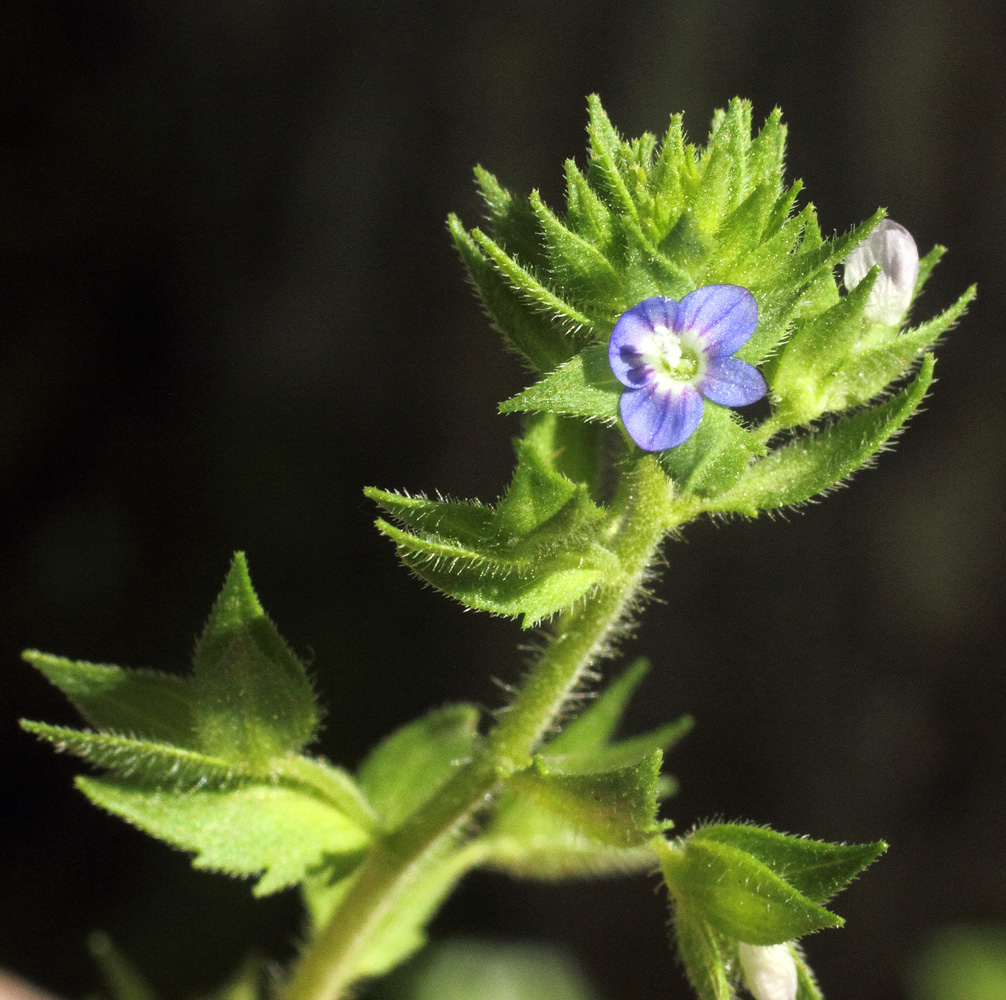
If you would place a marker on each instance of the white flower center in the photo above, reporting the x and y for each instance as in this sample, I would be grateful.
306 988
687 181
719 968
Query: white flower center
671 358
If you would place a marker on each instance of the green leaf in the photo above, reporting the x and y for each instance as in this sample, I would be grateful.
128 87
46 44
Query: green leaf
142 703
529 332
123 980
512 220
578 451
608 170
812 463
724 165
714 458
587 215
475 970
253 698
767 157
926 266
534 554
410 765
529 841
628 751
534 587
869 370
178 769
525 282
961 963
740 896
252 829
806 984
144 760
538 492
814 868
529 838
595 727
617 807
583 387
815 349
702 952
577 265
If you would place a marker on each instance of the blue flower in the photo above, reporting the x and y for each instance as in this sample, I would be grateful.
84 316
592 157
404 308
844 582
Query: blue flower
669 355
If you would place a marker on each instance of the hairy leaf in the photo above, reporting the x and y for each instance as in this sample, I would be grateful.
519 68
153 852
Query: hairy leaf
813 463
529 840
144 760
814 868
740 896
583 387
617 806
530 332
408 766
535 553
253 698
703 953
252 829
140 703
596 725
714 458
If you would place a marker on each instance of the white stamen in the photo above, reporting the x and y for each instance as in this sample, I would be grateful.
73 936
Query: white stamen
672 351
769 972
892 247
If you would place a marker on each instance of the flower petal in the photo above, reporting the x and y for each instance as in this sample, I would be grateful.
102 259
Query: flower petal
658 417
769 971
633 329
891 246
731 382
720 318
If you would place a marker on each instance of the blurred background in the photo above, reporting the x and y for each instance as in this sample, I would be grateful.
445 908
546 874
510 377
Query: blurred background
230 302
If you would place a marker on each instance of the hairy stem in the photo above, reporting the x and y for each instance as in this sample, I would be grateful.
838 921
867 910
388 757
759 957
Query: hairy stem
642 512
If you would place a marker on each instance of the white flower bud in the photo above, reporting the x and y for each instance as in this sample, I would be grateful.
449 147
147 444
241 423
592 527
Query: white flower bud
892 247
769 972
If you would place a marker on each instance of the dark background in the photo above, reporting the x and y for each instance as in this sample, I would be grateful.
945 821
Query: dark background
230 302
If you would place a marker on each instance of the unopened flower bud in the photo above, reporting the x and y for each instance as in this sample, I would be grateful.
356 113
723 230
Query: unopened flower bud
769 972
892 247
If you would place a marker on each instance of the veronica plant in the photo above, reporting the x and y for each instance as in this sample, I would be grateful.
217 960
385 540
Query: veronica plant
693 352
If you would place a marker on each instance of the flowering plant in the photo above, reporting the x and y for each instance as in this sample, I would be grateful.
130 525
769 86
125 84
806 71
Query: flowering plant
680 285
670 355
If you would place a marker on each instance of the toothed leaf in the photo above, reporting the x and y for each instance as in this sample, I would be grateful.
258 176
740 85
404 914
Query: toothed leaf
738 895
812 463
814 868
253 698
157 763
714 458
259 829
532 333
871 368
139 703
617 807
535 553
583 387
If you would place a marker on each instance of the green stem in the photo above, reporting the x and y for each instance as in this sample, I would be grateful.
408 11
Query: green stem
641 514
